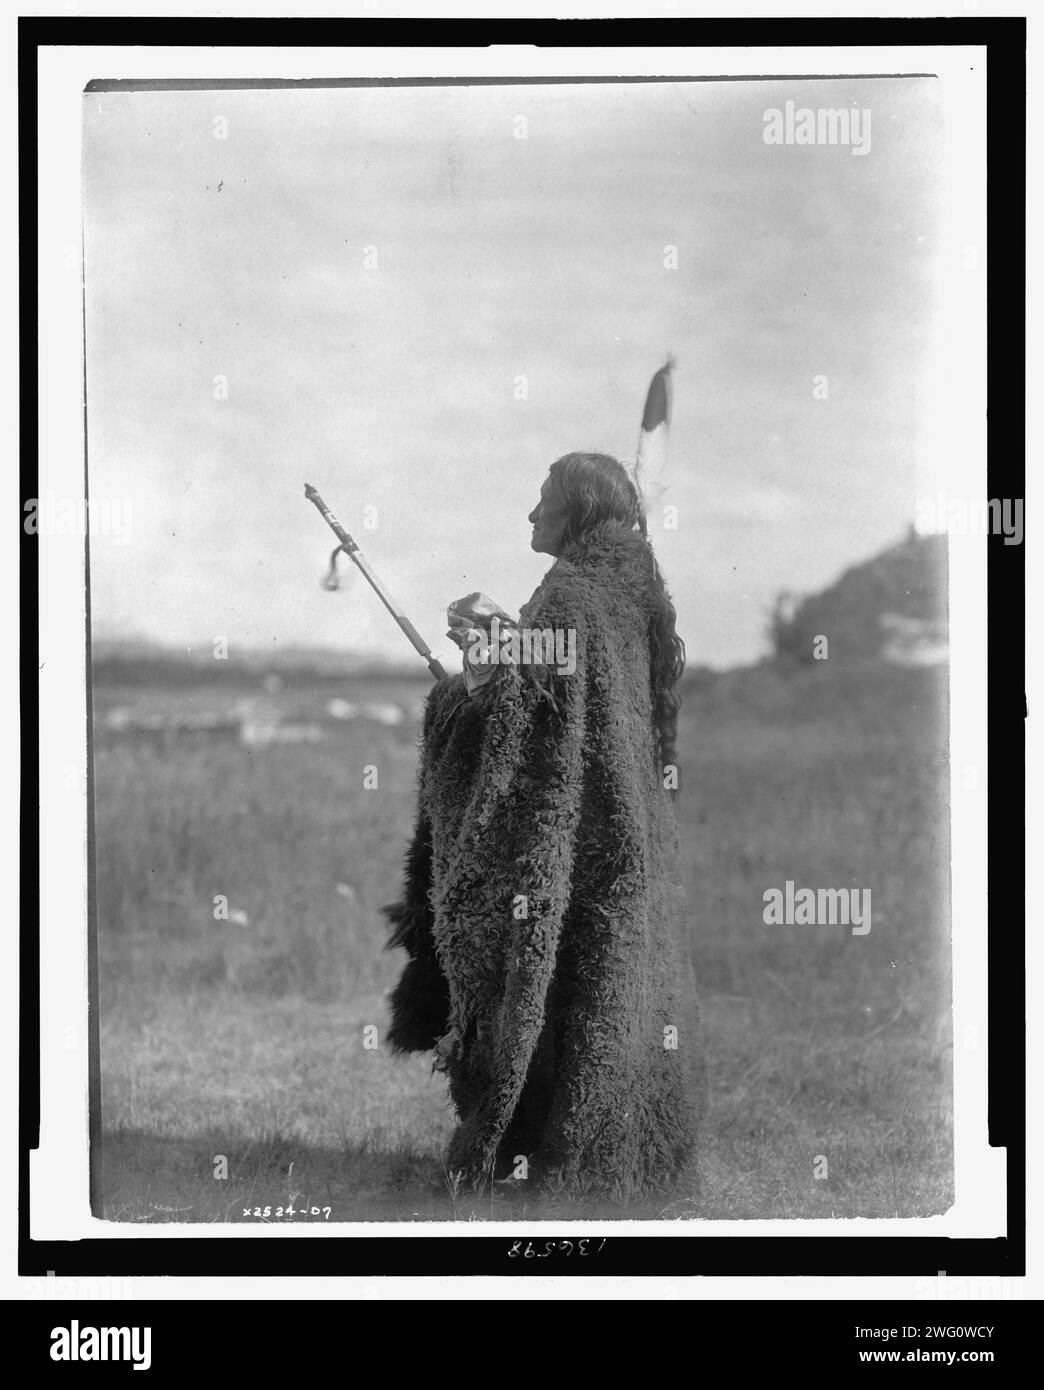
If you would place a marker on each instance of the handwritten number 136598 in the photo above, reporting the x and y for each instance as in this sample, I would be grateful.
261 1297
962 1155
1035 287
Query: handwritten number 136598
584 1246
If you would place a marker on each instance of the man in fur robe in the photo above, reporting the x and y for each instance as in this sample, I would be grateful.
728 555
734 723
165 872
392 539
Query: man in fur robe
543 915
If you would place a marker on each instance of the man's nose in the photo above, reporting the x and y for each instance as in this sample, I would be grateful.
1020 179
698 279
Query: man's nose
534 515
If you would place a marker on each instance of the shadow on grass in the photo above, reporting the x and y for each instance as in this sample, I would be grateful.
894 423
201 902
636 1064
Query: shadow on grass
280 1180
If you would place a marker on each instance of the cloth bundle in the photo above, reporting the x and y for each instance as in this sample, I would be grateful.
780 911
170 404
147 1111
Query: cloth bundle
478 626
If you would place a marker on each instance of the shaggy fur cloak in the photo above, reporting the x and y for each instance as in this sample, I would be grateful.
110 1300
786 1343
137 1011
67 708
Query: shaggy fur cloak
543 913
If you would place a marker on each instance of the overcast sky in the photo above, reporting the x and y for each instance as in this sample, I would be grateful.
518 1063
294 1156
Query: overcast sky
394 386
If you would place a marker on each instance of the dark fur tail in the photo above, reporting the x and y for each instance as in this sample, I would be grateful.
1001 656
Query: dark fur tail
420 1001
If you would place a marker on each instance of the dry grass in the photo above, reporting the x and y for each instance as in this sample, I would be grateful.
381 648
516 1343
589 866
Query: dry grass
247 1040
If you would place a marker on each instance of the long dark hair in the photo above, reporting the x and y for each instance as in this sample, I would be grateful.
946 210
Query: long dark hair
595 488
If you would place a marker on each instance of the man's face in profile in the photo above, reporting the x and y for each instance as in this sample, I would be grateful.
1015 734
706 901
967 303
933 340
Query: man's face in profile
549 518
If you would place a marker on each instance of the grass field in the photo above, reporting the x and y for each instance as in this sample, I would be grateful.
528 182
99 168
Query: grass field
247 1038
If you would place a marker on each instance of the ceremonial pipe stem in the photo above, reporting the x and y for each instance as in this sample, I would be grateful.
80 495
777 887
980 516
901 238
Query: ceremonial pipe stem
353 552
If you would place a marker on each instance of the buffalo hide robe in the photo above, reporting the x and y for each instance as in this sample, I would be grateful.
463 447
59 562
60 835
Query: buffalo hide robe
543 916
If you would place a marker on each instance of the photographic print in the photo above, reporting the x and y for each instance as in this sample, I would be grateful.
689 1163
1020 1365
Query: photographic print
519 650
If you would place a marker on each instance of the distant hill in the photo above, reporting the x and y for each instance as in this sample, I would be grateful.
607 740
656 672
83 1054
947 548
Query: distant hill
892 608
140 662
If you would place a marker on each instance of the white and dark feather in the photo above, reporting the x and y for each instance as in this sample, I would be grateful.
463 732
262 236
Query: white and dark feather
649 474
